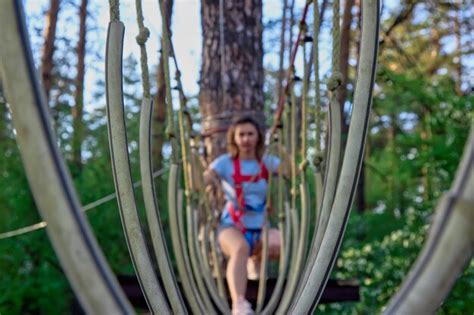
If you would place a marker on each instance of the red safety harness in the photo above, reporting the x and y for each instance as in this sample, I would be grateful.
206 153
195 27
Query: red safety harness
239 179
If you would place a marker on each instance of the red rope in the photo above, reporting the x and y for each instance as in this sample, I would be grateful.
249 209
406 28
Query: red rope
282 96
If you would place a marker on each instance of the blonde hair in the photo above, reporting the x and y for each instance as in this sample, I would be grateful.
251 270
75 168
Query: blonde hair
232 147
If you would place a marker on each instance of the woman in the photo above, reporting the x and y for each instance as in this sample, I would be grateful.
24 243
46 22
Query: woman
243 173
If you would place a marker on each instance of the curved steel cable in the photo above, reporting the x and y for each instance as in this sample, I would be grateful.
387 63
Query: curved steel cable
191 291
208 245
122 174
295 261
285 228
448 249
319 272
192 240
153 213
334 133
318 156
264 260
195 260
177 241
428 273
149 192
334 147
81 258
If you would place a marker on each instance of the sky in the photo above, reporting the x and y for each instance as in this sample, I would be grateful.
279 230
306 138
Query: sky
186 26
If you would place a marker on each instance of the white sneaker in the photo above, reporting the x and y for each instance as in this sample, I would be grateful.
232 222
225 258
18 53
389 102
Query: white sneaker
253 269
242 307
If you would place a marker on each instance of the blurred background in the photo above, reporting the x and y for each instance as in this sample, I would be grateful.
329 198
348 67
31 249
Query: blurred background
421 115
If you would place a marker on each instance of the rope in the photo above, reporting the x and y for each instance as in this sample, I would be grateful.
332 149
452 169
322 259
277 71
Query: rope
283 226
282 97
23 230
184 152
295 261
336 79
281 73
336 35
317 86
209 245
141 38
325 200
321 10
172 54
114 10
293 141
304 107
170 129
168 51
92 205
188 265
183 131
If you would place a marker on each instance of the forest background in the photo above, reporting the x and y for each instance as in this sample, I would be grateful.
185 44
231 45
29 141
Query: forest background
422 113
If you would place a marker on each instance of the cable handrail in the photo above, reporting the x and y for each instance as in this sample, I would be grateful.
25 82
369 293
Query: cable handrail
90 206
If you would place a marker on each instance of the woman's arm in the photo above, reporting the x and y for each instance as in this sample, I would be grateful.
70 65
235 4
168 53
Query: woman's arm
284 165
211 178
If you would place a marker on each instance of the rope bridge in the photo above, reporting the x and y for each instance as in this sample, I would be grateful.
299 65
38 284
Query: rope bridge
193 215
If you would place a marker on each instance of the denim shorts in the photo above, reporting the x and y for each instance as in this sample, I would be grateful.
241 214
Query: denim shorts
252 236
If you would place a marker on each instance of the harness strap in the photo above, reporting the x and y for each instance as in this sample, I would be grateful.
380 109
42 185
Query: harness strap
239 179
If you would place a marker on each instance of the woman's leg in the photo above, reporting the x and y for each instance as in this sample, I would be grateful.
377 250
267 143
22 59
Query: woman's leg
253 263
234 245
274 242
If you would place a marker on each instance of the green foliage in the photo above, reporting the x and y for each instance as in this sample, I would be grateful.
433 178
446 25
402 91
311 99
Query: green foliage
381 259
419 126
31 276
421 139
417 132
30 271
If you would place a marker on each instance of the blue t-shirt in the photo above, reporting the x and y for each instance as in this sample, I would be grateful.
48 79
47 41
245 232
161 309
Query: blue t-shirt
255 193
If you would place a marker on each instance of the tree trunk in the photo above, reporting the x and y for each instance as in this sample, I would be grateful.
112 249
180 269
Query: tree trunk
344 59
458 65
232 85
360 193
48 48
290 29
281 69
77 111
159 114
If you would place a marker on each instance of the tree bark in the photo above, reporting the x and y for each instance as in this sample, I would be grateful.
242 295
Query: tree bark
233 85
281 70
344 59
458 65
78 109
159 111
361 184
48 48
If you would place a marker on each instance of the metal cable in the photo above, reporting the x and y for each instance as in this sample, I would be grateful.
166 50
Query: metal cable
89 206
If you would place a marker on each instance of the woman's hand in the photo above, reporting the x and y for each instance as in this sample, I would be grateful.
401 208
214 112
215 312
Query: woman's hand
285 163
211 178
